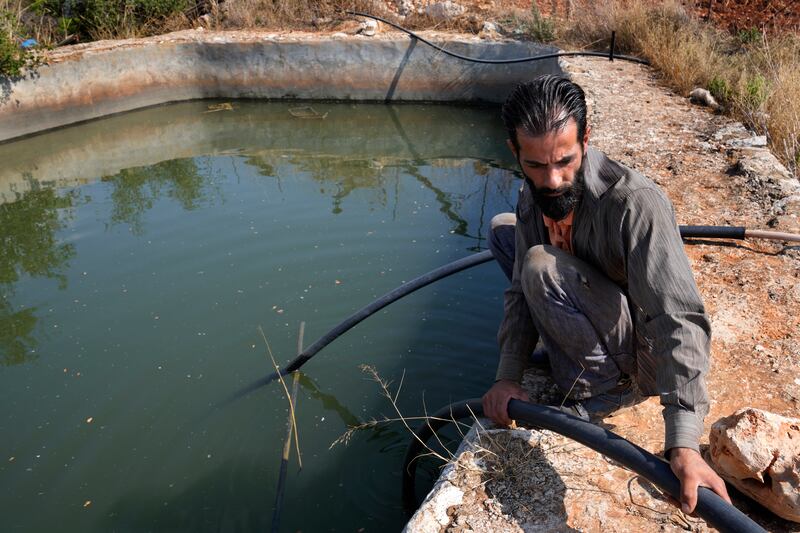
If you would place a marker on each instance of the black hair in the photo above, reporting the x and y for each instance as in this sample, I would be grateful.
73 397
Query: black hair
544 105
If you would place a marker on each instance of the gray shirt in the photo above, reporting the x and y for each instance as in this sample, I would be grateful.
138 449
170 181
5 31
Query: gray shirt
625 227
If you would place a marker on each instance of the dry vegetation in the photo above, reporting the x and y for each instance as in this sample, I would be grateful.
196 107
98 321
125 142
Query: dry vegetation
755 76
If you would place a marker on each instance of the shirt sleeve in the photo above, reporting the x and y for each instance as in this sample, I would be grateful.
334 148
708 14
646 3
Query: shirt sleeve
517 335
661 285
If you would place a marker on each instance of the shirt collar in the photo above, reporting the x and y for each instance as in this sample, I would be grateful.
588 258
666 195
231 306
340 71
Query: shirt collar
599 173
566 221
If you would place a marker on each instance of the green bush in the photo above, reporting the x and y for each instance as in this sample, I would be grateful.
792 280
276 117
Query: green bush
540 28
12 58
156 9
720 89
98 19
756 90
750 36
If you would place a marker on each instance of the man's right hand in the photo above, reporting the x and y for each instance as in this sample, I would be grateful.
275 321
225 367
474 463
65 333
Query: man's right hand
495 401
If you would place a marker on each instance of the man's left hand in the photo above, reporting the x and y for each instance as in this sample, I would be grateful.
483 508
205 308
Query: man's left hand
693 471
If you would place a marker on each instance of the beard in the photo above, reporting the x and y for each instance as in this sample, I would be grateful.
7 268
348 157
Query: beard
567 196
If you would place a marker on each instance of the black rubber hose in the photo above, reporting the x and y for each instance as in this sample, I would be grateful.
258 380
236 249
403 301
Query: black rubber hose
714 232
498 61
710 507
717 232
365 312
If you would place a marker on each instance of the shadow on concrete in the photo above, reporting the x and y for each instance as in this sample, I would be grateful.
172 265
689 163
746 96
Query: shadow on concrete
525 484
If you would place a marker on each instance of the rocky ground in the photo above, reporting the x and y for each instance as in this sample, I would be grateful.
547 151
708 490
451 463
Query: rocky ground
537 481
734 15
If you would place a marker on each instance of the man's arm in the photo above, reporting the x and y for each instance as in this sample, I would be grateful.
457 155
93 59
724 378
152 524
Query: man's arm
661 284
516 336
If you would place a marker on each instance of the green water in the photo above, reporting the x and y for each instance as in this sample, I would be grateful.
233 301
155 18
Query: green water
140 255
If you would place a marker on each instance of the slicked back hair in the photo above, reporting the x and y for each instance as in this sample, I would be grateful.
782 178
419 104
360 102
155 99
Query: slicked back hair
544 105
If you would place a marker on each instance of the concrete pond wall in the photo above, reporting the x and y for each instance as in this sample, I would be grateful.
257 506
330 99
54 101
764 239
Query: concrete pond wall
88 81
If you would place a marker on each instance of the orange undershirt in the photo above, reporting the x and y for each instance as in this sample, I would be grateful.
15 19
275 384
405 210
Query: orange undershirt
560 231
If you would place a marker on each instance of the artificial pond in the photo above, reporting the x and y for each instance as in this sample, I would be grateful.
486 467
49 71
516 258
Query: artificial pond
142 253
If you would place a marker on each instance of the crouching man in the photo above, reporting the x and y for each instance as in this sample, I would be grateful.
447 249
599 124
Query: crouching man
599 274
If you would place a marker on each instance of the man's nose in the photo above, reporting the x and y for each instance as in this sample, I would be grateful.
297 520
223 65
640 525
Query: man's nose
554 177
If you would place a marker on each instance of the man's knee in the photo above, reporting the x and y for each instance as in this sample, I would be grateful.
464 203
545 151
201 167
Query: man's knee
501 241
539 260
503 219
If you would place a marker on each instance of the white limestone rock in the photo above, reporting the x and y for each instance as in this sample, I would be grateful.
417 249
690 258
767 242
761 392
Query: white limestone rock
432 515
759 453
369 28
703 97
441 11
405 7
489 30
756 141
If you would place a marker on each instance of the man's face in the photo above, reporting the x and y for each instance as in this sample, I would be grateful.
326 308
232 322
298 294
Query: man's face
552 166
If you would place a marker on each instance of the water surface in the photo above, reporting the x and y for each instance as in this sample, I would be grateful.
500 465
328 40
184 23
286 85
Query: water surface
141 254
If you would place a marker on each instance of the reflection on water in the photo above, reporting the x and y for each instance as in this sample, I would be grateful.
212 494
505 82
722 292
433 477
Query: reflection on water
17 343
329 401
141 254
30 247
136 189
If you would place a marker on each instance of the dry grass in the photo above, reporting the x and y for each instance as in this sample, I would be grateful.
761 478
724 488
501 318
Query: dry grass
782 105
283 14
756 78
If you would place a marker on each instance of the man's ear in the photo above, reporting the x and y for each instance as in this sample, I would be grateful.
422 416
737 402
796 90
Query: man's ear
586 135
513 148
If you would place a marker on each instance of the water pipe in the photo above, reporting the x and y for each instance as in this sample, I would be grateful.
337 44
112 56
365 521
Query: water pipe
710 507
610 54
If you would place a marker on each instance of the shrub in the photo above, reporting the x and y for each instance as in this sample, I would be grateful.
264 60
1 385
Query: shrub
756 77
750 36
540 28
104 19
720 89
755 92
13 58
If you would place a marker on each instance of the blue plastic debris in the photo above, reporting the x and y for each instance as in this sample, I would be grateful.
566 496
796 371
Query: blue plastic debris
29 43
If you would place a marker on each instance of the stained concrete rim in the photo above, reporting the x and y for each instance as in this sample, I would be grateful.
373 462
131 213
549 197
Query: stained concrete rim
104 78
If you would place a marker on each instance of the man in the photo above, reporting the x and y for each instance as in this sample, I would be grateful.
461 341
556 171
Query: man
598 273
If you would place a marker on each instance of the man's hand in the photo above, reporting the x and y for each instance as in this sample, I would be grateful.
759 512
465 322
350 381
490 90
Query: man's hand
495 401
693 471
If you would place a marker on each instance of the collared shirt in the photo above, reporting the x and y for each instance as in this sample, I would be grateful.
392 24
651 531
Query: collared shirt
560 231
625 227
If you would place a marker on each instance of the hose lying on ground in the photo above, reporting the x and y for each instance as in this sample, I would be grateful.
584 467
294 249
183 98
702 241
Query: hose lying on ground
708 232
610 54
714 510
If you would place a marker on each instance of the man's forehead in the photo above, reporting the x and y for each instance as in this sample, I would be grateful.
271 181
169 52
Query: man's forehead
549 146
568 131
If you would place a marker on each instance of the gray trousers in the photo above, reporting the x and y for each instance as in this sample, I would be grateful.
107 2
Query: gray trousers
582 317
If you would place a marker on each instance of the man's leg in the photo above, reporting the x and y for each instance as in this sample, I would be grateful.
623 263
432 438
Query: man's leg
502 245
585 324
501 241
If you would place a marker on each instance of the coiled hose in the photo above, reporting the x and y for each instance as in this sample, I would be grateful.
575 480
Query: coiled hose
714 510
